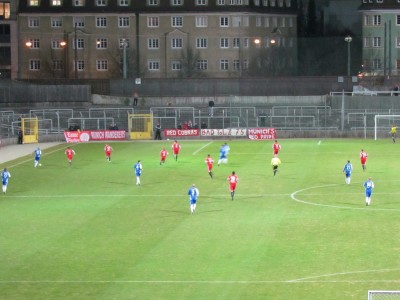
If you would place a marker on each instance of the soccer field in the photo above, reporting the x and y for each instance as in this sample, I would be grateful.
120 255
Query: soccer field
86 231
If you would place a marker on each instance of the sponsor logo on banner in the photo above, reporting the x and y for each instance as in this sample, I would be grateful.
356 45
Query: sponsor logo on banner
224 132
262 133
94 135
181 132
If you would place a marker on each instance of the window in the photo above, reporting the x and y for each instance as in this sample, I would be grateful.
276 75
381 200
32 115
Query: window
224 64
79 44
220 2
398 42
398 64
123 22
154 65
201 43
153 43
367 42
152 2
152 22
201 2
34 64
224 43
123 2
79 22
176 43
80 65
176 2
33 3
376 64
201 21
176 21
34 43
236 21
176 65
379 1
290 22
283 22
377 20
58 65
101 22
101 43
101 2
367 20
102 65
56 22
79 2
202 64
33 22
57 44
55 2
376 42
236 64
258 21
398 20
223 22
5 10
236 42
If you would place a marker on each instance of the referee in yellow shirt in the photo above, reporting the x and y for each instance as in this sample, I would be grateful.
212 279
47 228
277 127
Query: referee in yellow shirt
275 162
393 132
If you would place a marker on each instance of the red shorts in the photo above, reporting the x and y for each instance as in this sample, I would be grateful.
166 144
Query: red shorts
232 187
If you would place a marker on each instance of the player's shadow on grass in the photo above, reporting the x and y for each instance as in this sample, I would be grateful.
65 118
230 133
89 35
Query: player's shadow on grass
119 183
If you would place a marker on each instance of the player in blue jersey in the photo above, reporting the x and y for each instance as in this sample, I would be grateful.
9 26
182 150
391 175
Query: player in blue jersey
347 169
223 154
368 185
193 195
138 171
38 154
5 175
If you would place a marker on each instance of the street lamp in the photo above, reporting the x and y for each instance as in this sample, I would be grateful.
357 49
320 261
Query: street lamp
348 40
124 44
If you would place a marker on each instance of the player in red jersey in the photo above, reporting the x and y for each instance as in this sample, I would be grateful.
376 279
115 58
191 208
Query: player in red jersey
209 161
233 179
163 155
276 147
70 154
108 149
363 158
176 147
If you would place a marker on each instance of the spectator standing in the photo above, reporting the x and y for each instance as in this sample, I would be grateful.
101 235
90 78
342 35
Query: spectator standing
135 98
158 132
211 108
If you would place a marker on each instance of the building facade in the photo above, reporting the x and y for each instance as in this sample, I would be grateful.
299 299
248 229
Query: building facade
109 39
8 38
381 37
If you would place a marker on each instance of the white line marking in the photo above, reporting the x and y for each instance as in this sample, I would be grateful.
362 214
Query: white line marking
319 142
345 273
201 148
31 160
194 281
293 196
135 195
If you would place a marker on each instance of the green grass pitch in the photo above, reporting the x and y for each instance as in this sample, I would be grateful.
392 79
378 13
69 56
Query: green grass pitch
88 232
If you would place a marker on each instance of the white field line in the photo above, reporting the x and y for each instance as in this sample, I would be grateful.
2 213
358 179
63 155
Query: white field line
201 148
362 199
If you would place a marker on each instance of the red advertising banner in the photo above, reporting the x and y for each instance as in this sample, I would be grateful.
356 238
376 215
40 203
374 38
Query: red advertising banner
224 132
181 132
262 133
94 135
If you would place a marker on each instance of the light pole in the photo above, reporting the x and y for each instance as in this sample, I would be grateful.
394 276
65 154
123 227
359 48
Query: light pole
124 44
348 40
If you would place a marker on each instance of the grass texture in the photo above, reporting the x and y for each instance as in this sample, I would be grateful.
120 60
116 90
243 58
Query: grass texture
86 231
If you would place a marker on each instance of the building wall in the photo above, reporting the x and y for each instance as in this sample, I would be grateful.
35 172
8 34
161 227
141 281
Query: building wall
263 23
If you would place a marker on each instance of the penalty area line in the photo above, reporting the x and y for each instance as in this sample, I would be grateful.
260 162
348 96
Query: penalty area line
201 148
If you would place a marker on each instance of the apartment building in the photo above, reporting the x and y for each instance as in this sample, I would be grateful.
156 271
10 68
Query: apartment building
381 37
111 39
8 38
